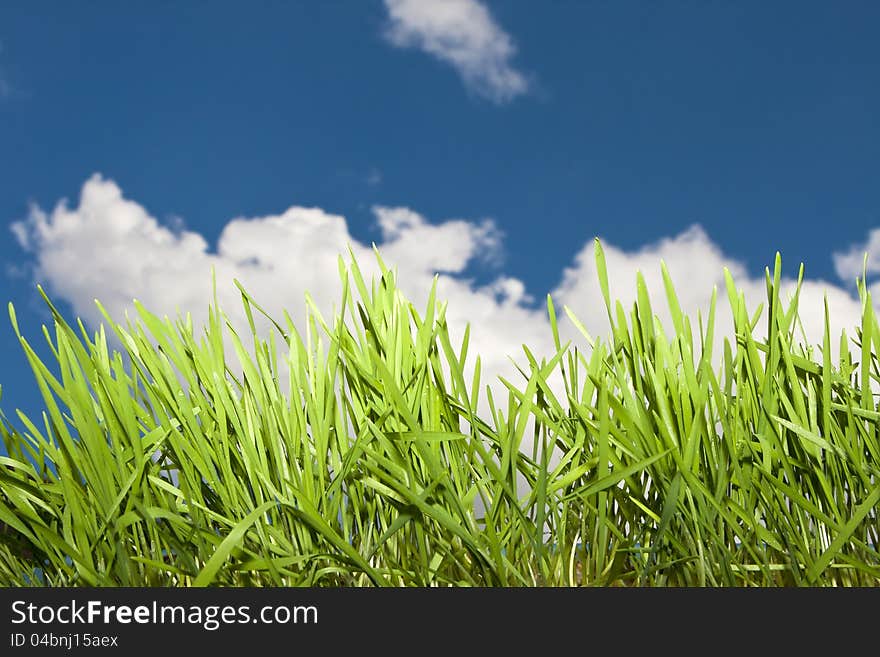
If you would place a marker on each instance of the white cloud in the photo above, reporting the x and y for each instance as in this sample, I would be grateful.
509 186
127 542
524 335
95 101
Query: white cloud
109 247
696 266
461 33
850 264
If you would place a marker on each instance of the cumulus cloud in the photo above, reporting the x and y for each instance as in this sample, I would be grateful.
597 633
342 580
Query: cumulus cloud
110 248
461 33
696 266
852 263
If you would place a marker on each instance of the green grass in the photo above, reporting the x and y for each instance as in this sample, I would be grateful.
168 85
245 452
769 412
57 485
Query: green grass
379 457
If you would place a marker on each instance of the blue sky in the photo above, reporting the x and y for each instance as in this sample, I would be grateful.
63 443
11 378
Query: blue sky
490 141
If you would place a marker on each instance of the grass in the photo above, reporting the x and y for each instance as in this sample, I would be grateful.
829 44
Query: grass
378 456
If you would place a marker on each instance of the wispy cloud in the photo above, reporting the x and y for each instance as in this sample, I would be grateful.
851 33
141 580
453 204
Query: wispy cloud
461 33
5 87
374 177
